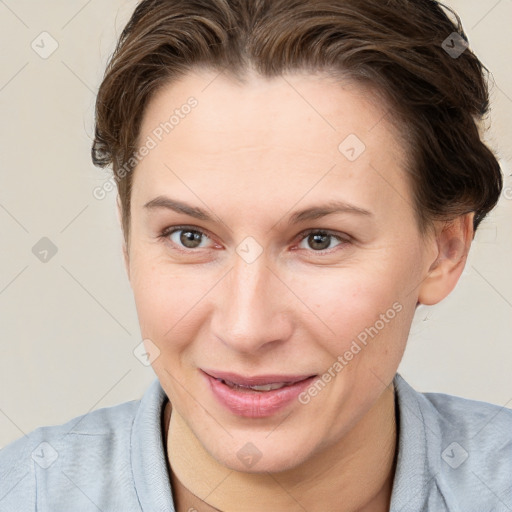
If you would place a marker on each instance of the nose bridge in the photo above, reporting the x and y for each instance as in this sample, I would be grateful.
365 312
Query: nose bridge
251 313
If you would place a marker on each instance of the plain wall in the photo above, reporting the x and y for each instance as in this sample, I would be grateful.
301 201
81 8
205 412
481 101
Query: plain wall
69 326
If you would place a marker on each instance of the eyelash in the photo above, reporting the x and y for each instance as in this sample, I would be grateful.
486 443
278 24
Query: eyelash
342 239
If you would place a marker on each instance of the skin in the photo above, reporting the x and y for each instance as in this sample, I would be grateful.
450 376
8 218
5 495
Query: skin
251 155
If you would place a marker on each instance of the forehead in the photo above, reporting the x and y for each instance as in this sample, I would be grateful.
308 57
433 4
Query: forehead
310 111
271 136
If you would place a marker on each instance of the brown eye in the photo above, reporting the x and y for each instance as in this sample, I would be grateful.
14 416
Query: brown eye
320 240
190 239
185 237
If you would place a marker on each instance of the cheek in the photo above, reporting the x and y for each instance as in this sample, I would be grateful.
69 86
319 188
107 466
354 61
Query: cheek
166 298
362 305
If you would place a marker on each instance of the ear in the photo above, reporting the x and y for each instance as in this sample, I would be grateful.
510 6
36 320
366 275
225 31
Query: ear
124 248
453 241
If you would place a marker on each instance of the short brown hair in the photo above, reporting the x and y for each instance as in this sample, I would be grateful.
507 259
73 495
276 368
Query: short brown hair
396 47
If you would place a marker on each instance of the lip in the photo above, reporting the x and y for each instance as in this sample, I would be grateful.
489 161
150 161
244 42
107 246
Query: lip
256 380
257 404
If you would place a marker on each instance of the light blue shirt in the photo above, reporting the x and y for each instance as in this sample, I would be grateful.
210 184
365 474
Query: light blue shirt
453 455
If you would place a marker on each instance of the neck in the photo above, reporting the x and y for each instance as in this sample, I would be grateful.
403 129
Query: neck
357 472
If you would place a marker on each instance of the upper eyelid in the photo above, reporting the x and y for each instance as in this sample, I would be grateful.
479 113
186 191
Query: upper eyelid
334 234
172 229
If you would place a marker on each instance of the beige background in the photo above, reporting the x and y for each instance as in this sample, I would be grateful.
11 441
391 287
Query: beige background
69 327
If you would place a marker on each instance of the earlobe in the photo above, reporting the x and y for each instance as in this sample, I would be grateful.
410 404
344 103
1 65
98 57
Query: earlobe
453 239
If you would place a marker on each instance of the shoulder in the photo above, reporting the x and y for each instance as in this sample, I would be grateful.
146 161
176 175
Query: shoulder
482 429
90 448
470 414
475 451
454 416
468 446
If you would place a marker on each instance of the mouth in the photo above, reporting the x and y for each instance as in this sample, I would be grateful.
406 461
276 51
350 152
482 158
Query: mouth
257 383
259 396
264 387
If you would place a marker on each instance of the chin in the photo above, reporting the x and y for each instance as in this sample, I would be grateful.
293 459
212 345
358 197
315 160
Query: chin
259 457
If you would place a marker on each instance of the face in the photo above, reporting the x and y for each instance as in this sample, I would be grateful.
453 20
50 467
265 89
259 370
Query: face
264 281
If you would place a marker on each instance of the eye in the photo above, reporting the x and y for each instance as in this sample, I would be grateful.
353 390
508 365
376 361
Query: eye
185 236
189 238
320 240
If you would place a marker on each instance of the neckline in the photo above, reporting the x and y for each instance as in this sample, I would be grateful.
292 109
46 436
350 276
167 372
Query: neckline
152 477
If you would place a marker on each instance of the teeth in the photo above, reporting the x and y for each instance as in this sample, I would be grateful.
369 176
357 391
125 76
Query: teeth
268 387
265 387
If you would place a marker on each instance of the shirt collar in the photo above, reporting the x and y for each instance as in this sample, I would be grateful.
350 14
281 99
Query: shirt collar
417 434
414 468
148 459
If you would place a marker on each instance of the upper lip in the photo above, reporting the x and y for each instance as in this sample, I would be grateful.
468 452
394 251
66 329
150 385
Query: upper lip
257 380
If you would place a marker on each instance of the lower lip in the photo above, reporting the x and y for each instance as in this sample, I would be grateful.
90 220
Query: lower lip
256 404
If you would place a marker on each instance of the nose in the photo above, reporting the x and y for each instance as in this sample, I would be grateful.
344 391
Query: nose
254 309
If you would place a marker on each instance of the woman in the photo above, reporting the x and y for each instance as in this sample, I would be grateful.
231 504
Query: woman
294 178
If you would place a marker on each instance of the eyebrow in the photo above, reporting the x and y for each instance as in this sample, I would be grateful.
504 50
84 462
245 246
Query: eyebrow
312 213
